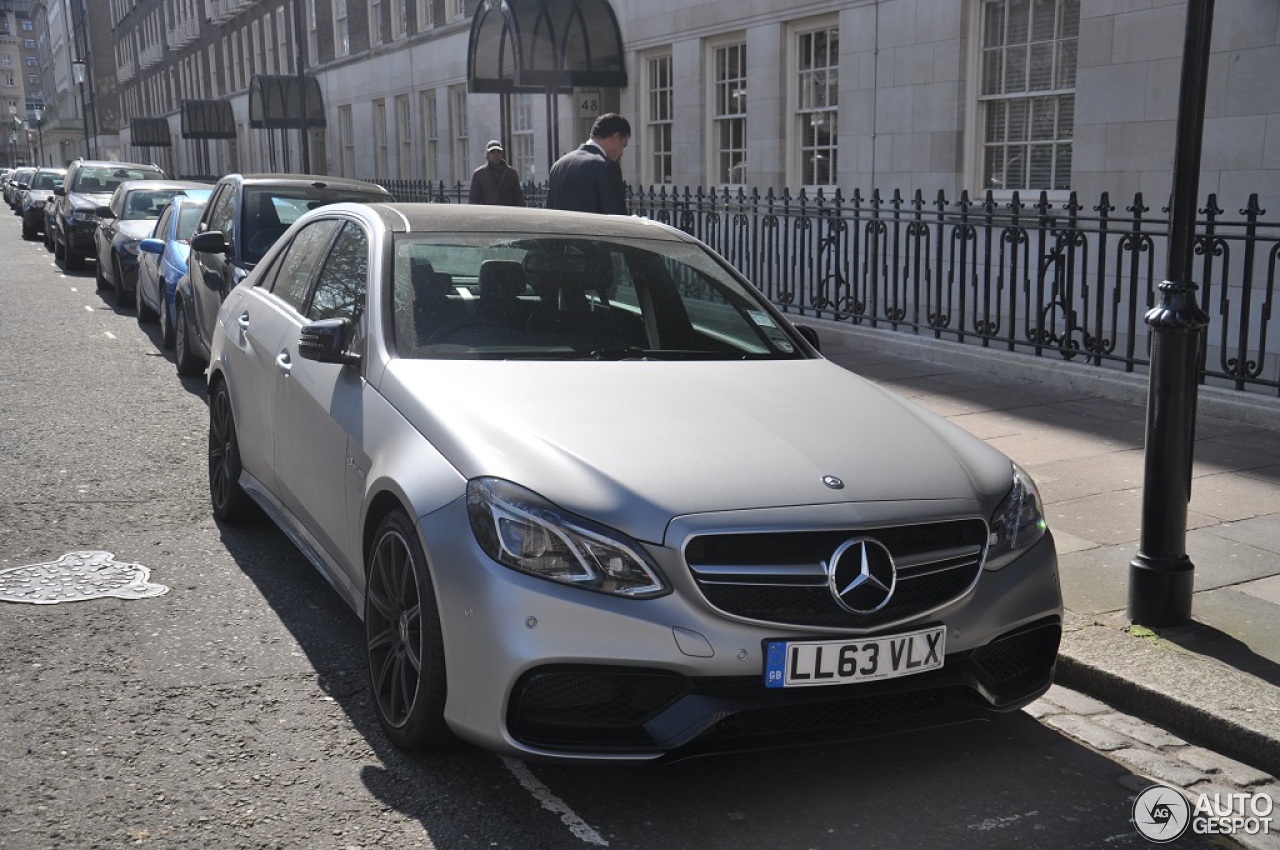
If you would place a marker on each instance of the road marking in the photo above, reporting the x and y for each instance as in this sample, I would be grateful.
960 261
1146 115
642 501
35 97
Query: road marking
109 334
552 803
87 307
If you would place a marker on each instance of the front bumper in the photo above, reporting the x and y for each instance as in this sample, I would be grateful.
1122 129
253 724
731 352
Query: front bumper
79 238
547 671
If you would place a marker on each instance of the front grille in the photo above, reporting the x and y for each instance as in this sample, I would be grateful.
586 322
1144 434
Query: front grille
782 577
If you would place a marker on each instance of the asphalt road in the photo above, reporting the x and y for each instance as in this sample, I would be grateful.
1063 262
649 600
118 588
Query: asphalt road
231 711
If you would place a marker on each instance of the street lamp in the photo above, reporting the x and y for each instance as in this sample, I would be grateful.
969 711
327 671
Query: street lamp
77 74
37 115
13 133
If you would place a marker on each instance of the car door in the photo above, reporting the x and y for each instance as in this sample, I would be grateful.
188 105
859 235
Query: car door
106 233
150 280
258 319
208 287
319 407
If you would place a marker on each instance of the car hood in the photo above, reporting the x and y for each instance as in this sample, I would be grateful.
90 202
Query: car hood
95 199
636 443
134 230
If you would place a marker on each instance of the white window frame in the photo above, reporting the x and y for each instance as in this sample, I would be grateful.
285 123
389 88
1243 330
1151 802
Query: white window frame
341 29
659 118
284 38
981 121
375 23
346 141
723 121
426 15
399 19
430 116
380 137
522 137
802 108
404 136
458 124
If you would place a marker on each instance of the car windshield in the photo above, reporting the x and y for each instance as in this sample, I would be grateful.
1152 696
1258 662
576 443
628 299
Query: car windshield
268 212
46 180
94 180
557 297
142 204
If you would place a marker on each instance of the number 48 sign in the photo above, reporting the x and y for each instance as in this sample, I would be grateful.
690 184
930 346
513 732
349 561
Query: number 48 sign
588 104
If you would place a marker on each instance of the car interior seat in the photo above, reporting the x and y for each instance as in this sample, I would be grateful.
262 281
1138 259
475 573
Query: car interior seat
502 282
435 302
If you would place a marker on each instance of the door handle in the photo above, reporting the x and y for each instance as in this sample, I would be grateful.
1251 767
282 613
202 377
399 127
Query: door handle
283 362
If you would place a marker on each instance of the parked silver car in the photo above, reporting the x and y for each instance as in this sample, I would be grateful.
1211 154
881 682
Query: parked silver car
595 498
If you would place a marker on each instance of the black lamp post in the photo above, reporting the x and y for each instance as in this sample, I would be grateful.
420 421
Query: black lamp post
78 73
37 115
13 134
1161 576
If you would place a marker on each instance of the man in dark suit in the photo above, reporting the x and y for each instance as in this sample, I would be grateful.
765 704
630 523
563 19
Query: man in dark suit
495 182
589 179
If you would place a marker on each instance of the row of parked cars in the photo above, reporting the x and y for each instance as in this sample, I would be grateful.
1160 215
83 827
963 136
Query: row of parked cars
592 495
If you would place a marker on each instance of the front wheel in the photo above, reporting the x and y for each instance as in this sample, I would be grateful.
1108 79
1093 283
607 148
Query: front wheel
229 500
403 642
166 321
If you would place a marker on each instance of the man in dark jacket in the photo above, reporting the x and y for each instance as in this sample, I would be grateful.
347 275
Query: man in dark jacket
495 182
589 179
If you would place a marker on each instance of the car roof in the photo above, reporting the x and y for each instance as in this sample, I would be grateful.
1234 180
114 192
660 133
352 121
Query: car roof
465 218
115 163
326 181
160 185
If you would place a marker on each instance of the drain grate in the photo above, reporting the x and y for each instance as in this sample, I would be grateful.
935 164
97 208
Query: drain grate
75 577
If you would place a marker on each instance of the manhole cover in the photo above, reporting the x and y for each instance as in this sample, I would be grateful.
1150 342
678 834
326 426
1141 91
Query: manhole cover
75 577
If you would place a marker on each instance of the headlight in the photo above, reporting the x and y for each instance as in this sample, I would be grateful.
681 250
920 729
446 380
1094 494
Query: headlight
1017 524
85 217
521 530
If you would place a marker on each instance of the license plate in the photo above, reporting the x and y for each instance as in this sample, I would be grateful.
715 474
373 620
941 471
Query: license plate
810 663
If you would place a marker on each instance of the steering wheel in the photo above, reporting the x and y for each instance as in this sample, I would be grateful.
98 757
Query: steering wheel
262 241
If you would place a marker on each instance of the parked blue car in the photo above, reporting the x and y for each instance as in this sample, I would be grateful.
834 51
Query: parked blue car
162 261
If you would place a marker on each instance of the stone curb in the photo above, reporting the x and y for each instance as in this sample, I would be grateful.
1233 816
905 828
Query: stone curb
1196 698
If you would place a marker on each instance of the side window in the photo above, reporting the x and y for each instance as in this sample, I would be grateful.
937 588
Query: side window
162 223
340 292
222 212
293 272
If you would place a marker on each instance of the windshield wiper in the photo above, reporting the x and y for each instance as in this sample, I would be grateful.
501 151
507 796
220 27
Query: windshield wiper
632 352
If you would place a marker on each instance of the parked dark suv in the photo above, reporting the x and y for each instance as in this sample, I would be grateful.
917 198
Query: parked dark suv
246 214
88 184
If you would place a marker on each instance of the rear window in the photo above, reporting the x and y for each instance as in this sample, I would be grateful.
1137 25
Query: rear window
268 212
106 178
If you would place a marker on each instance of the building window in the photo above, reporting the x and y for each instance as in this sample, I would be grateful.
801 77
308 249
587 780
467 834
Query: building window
31 61
818 54
459 8
458 121
379 137
341 35
660 117
6 59
313 42
399 18
430 132
522 138
729 122
27 26
29 43
375 22
404 137
426 15
347 141
283 40
1026 104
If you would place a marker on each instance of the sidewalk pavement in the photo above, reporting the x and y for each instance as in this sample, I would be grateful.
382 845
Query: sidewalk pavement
1079 430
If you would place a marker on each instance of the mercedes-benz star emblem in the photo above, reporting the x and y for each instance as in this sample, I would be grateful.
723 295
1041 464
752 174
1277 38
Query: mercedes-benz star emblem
862 575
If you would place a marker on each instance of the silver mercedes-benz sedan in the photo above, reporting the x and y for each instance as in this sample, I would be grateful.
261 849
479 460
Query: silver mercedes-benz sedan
595 498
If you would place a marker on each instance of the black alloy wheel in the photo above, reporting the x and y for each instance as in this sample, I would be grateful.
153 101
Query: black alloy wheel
229 500
166 324
122 297
403 643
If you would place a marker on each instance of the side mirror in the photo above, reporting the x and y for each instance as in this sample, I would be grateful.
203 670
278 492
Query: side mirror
326 341
810 336
59 191
104 211
209 242
151 246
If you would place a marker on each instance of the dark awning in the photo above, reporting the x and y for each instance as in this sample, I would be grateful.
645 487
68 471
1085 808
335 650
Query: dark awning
544 46
274 103
207 119
150 133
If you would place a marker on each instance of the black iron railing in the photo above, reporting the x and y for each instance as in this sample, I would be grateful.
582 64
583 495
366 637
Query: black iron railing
1043 278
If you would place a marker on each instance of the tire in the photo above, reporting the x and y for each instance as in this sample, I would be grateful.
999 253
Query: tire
166 323
228 499
59 250
184 358
73 261
404 647
145 314
123 301
48 240
28 232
